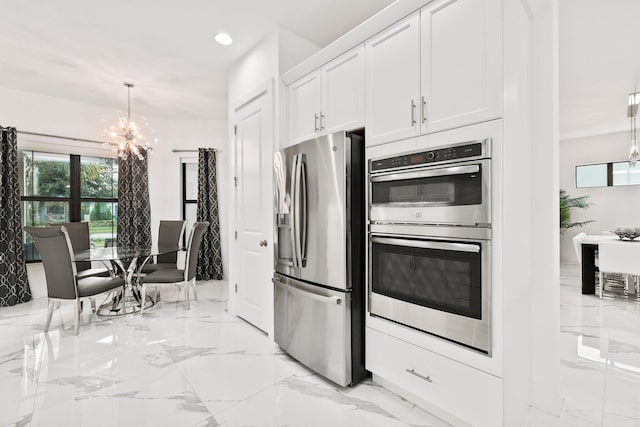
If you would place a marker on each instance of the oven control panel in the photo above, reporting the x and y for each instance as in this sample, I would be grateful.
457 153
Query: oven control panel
445 154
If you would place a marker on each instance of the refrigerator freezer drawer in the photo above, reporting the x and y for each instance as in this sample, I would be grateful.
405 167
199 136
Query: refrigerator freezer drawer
313 325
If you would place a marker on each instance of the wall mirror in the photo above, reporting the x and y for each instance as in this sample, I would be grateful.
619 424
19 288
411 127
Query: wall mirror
607 175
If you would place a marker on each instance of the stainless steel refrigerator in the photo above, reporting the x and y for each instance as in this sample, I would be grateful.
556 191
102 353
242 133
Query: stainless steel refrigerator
319 255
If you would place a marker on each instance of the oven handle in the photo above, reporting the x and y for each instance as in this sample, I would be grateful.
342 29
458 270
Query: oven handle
427 244
427 173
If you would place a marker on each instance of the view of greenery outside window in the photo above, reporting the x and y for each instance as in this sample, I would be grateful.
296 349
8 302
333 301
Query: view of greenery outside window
58 188
189 195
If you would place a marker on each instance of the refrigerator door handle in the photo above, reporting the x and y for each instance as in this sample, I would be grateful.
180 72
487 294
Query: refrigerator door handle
321 298
297 208
294 227
302 201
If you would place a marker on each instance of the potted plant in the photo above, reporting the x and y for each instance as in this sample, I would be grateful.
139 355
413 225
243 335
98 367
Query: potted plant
566 204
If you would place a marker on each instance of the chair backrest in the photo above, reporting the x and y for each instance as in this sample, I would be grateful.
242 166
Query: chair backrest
169 236
577 245
195 240
79 236
617 256
56 253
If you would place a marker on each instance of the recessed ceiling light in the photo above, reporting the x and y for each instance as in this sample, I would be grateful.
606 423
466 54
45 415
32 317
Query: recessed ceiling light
223 39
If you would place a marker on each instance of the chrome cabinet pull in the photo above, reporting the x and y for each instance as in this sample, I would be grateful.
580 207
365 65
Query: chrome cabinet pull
413 113
419 375
322 120
424 110
315 123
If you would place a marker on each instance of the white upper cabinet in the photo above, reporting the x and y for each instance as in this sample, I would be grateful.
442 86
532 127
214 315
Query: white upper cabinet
440 68
304 108
343 92
461 63
328 100
393 82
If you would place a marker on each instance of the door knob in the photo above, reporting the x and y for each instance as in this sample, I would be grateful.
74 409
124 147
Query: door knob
263 243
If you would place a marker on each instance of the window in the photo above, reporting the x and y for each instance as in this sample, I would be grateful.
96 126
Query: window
189 194
607 175
58 188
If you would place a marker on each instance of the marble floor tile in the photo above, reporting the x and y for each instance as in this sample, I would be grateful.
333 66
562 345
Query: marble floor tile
171 367
599 357
205 367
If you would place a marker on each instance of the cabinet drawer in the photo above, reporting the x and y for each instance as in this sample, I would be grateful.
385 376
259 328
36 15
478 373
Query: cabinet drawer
466 393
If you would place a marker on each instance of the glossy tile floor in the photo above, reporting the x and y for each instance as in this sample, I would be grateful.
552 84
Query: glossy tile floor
171 367
599 357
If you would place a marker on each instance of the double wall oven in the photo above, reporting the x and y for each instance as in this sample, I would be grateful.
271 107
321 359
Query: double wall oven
430 239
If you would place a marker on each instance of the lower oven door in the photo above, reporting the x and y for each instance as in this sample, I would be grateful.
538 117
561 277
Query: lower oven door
313 324
438 286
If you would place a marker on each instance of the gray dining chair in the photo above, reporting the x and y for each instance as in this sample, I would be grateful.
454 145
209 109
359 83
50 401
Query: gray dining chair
175 276
169 237
63 283
79 236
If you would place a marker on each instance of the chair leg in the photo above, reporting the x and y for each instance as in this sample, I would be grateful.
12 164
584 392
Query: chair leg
601 278
93 305
195 294
77 318
143 297
626 284
81 306
186 295
52 307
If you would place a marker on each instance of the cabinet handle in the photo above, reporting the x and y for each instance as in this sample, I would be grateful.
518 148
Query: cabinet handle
315 122
424 110
321 121
413 113
422 377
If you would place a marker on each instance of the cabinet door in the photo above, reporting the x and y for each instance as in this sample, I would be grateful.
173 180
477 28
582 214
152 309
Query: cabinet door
461 63
393 82
343 92
304 108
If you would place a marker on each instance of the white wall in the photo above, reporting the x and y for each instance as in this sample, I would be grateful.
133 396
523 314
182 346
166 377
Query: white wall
528 233
263 63
610 206
44 114
165 177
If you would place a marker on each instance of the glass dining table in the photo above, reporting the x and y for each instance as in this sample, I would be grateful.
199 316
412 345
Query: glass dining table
126 262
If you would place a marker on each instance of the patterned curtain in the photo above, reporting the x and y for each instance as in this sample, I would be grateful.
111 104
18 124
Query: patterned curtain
14 285
134 213
210 256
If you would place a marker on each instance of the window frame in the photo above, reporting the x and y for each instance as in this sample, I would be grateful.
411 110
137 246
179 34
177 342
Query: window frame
185 200
75 199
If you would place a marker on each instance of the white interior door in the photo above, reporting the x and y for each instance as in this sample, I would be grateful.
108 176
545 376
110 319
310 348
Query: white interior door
253 209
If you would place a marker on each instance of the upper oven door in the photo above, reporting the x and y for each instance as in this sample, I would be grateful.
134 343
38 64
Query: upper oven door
457 193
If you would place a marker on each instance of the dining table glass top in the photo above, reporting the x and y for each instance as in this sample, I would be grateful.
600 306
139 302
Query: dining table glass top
123 252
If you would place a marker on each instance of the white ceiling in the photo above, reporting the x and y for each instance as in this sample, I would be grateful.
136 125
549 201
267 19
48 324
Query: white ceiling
83 50
599 65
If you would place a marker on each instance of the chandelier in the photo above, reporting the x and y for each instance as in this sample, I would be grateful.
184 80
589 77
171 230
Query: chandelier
128 135
632 112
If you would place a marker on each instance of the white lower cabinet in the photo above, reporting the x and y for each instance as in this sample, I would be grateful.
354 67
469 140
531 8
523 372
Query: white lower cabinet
469 396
